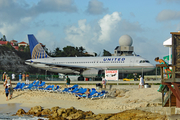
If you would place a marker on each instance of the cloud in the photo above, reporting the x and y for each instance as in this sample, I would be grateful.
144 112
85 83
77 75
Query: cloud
167 15
95 8
45 6
12 29
98 36
108 24
17 15
81 34
47 38
12 11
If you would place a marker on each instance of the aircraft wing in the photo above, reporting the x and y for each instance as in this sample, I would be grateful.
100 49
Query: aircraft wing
74 67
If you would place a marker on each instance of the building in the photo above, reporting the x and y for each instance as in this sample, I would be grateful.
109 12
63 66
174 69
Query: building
3 42
14 42
22 44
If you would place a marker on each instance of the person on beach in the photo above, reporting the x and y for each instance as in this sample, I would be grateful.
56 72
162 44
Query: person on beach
36 81
166 69
40 81
68 82
23 77
104 82
11 91
54 88
7 92
141 82
4 76
13 77
27 79
20 77
7 82
84 94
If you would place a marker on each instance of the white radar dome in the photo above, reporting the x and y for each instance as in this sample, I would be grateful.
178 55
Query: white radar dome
125 40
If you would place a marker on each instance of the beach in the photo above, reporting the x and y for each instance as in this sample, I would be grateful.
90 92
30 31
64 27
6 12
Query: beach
130 97
122 97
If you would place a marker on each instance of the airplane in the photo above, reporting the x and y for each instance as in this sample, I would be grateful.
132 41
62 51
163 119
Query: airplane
85 66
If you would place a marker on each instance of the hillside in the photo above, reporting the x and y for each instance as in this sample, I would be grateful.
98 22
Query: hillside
14 61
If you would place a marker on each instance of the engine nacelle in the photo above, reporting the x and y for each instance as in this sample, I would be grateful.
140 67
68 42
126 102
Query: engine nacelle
91 73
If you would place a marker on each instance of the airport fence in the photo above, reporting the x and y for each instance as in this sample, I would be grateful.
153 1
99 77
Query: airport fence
46 77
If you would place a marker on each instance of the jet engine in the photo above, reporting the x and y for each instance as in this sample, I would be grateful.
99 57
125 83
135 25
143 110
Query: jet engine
91 73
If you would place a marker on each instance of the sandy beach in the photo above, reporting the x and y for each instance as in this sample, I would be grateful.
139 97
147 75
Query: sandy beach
127 97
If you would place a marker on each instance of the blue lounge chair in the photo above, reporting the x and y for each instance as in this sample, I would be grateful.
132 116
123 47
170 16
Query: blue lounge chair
75 90
36 87
81 91
100 95
42 89
29 87
64 91
51 87
21 87
17 86
92 93
54 90
73 87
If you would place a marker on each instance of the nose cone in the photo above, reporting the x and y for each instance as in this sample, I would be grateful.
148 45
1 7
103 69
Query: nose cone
28 62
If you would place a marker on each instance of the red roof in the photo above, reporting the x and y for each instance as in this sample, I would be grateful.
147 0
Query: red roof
3 42
13 41
22 43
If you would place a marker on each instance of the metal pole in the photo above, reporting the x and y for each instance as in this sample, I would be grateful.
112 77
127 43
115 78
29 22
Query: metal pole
169 55
45 74
156 73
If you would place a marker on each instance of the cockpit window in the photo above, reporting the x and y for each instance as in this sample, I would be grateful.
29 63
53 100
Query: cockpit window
143 61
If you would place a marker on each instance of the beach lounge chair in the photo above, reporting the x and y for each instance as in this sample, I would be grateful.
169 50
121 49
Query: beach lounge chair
42 89
39 86
54 90
73 87
100 95
17 86
29 87
67 90
64 91
75 90
51 87
21 87
34 87
81 91
92 93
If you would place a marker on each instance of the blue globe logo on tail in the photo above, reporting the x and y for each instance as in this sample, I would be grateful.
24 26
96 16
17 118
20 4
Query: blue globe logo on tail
37 51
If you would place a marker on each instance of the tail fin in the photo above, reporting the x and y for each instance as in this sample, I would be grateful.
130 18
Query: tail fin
36 49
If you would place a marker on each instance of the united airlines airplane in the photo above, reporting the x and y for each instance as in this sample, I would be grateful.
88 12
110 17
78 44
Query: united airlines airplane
86 66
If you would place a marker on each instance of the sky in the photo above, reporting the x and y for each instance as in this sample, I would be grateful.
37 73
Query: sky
93 24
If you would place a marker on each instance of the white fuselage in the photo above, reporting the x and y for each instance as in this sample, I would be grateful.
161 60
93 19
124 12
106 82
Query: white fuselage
125 64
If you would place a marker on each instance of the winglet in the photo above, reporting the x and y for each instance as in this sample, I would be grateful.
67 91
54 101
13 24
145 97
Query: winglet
37 51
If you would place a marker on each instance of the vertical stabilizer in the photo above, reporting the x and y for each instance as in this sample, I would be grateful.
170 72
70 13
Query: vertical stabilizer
37 51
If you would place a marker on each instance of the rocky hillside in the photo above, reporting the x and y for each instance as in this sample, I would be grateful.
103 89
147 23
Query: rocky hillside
13 61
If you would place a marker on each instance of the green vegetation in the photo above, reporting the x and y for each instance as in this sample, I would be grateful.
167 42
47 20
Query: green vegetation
69 51
106 53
